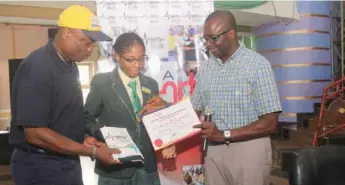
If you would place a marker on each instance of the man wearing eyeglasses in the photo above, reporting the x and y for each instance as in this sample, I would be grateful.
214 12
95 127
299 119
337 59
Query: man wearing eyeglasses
242 93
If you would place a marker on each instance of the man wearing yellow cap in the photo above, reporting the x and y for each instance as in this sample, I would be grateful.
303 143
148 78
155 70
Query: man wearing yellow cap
47 128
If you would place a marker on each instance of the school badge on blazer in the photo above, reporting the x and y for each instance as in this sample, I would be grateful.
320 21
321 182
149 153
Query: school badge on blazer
146 90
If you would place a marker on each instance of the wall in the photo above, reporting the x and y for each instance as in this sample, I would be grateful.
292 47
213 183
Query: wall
17 41
300 55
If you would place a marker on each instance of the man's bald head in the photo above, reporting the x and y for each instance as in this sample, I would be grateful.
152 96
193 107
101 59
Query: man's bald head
220 34
226 17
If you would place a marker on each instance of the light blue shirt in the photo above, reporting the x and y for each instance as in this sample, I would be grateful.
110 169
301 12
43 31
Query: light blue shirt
238 91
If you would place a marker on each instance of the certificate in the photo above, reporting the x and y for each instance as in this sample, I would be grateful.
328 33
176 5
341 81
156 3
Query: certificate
172 124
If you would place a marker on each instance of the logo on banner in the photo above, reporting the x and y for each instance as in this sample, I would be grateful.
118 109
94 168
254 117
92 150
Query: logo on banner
155 42
118 30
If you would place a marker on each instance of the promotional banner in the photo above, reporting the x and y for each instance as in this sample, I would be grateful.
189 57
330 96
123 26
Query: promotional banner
171 31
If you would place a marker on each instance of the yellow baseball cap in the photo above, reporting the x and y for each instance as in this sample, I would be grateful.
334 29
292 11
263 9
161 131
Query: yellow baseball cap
80 17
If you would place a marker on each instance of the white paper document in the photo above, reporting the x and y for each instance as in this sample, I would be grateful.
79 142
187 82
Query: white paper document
119 138
172 124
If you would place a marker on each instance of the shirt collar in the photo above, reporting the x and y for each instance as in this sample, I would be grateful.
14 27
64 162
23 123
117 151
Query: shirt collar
57 59
237 52
126 79
232 57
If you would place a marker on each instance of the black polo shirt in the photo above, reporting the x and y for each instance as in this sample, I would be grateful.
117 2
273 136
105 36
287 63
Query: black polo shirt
46 93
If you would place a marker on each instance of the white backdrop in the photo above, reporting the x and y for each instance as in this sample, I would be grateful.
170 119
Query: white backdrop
154 21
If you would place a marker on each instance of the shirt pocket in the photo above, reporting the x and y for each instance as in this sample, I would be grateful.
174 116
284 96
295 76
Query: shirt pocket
240 94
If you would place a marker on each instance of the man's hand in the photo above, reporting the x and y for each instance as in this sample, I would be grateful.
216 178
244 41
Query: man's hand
210 131
152 105
169 152
91 142
105 153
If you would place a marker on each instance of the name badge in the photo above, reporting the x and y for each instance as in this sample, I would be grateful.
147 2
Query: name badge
146 90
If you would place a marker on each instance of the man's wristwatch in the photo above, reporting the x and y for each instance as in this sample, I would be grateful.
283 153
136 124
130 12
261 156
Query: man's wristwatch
227 136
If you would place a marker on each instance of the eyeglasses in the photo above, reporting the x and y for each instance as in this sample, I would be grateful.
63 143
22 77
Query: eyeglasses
142 59
213 38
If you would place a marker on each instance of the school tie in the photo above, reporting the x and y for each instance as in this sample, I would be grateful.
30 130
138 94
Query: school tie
134 97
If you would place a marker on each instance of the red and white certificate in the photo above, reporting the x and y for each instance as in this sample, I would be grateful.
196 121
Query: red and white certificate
171 125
